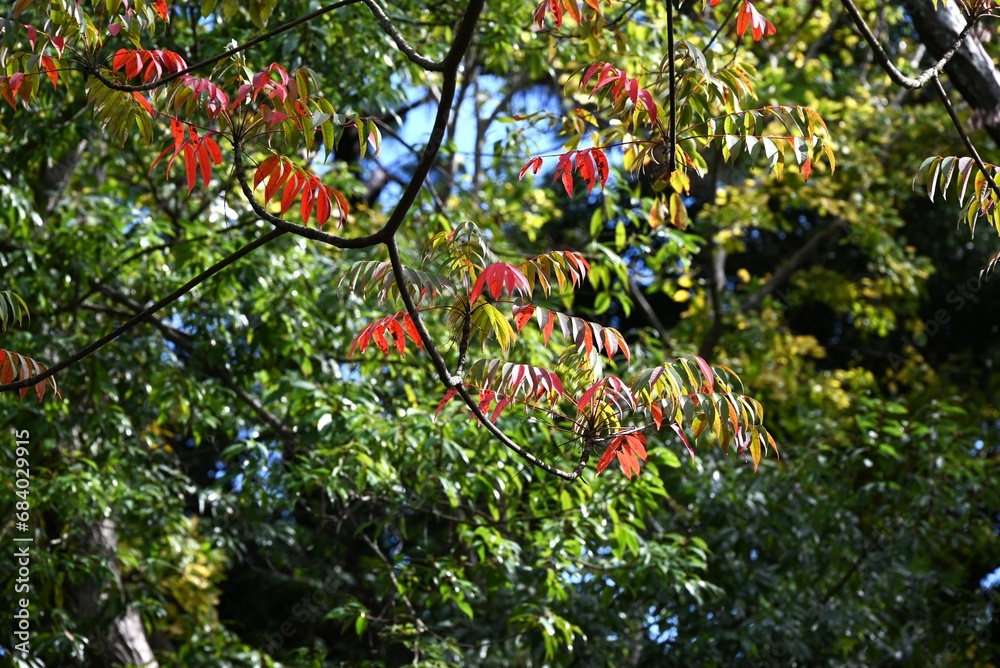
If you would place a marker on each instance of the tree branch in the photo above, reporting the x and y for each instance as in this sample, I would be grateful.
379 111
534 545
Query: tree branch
882 57
140 317
182 340
96 73
777 279
965 137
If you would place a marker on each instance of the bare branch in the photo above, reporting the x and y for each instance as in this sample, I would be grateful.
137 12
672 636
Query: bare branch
882 57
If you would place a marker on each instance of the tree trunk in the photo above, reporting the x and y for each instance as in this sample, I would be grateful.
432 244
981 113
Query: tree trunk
123 638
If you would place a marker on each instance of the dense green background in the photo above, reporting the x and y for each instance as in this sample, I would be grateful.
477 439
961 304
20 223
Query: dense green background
277 502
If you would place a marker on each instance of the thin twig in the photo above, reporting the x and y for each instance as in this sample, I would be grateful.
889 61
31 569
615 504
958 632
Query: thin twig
140 317
965 137
882 57
225 54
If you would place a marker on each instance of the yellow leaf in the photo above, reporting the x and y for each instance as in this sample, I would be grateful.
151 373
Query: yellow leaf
681 296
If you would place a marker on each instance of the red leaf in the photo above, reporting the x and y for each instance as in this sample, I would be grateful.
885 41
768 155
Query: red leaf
534 165
589 73
806 168
291 190
601 161
680 432
398 337
706 371
205 161
308 199
177 130
607 457
500 277
263 169
154 69
411 330
378 335
114 29
32 35
173 60
628 449
557 12
6 368
213 150
49 66
501 404
448 396
632 89
158 158
133 64
277 179
588 396
564 171
15 82
190 166
141 99
749 17
59 42
548 327
6 92
522 314
341 205
657 414
647 102
322 206
567 181
160 7
587 169
538 16
121 57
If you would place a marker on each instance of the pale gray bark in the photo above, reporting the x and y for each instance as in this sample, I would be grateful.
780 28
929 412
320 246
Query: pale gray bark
123 640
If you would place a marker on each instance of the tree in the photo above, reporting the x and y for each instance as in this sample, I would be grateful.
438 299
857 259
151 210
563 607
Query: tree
293 480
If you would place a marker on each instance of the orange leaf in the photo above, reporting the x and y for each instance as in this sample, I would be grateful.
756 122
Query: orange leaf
572 9
7 93
522 315
557 12
291 190
308 199
341 205
323 207
263 169
277 179
205 161
50 69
